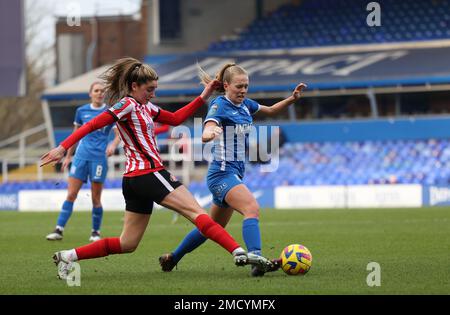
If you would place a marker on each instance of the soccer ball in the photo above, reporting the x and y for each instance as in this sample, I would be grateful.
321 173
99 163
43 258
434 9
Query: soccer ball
296 259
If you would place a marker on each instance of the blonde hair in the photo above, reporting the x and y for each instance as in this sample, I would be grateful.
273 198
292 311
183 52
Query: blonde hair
119 78
225 74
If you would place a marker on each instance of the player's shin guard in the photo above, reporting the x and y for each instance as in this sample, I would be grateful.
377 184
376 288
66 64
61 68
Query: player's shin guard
97 216
64 215
215 232
252 235
190 242
101 248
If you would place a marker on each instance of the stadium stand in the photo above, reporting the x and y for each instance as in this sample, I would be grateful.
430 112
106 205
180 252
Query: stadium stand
328 23
424 162
398 83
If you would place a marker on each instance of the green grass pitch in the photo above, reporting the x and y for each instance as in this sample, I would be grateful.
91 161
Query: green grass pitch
412 247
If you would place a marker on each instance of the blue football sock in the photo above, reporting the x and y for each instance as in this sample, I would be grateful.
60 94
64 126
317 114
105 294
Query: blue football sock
97 215
251 235
193 240
66 212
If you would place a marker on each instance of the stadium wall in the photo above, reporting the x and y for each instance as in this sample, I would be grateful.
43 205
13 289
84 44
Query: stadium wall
285 197
202 15
374 129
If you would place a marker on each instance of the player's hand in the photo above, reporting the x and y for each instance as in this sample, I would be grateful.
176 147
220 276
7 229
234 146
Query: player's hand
66 162
53 156
298 90
110 150
212 133
210 88
215 132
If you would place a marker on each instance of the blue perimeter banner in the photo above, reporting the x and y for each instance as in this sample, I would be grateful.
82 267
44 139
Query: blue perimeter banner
178 75
436 196
9 201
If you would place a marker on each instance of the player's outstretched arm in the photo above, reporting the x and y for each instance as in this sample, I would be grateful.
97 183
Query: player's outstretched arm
278 107
178 117
56 154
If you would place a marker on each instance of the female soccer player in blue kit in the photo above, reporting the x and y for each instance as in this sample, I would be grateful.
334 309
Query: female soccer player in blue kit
226 171
89 162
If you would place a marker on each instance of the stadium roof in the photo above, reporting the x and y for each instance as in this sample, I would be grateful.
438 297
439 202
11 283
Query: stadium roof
74 88
279 73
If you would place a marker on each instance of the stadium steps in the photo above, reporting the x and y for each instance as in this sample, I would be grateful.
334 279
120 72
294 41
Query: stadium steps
28 172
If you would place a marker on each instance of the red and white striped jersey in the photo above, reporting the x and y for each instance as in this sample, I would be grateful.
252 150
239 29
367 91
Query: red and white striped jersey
135 123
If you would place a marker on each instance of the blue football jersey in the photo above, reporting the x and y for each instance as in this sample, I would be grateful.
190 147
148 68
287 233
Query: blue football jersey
236 120
92 146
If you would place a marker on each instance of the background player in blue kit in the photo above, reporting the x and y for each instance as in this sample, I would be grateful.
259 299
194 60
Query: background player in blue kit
89 162
231 112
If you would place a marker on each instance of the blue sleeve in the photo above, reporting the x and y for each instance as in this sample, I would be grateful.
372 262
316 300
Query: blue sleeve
252 106
78 120
215 113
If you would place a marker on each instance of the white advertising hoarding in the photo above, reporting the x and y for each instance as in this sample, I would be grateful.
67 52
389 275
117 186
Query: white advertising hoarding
362 196
384 196
52 200
297 197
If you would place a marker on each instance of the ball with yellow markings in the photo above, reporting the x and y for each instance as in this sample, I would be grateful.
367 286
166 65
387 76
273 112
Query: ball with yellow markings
296 259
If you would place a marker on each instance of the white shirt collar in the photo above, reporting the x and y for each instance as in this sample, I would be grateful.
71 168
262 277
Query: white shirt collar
237 105
97 108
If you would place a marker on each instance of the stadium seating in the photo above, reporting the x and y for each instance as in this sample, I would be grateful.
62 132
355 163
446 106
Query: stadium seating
343 22
424 162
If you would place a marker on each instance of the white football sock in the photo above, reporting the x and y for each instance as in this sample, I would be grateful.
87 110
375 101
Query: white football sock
69 255
238 250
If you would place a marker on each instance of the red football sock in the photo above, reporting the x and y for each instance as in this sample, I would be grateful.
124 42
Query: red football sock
215 232
101 248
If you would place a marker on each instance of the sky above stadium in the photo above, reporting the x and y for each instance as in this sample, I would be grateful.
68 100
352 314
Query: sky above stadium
48 10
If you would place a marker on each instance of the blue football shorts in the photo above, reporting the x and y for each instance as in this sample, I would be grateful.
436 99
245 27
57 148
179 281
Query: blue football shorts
84 169
219 184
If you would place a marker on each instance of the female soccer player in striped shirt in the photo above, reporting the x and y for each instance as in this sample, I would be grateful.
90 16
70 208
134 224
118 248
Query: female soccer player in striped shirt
145 180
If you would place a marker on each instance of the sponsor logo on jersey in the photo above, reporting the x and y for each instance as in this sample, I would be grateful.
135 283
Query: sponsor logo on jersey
213 109
120 104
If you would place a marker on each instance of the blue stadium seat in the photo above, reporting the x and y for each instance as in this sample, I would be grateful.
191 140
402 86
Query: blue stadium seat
331 22
356 163
350 163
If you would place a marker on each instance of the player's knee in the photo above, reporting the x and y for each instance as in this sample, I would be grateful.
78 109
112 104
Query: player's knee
128 247
194 213
72 196
252 211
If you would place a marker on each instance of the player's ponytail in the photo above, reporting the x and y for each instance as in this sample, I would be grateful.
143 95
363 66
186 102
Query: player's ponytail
225 74
119 78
